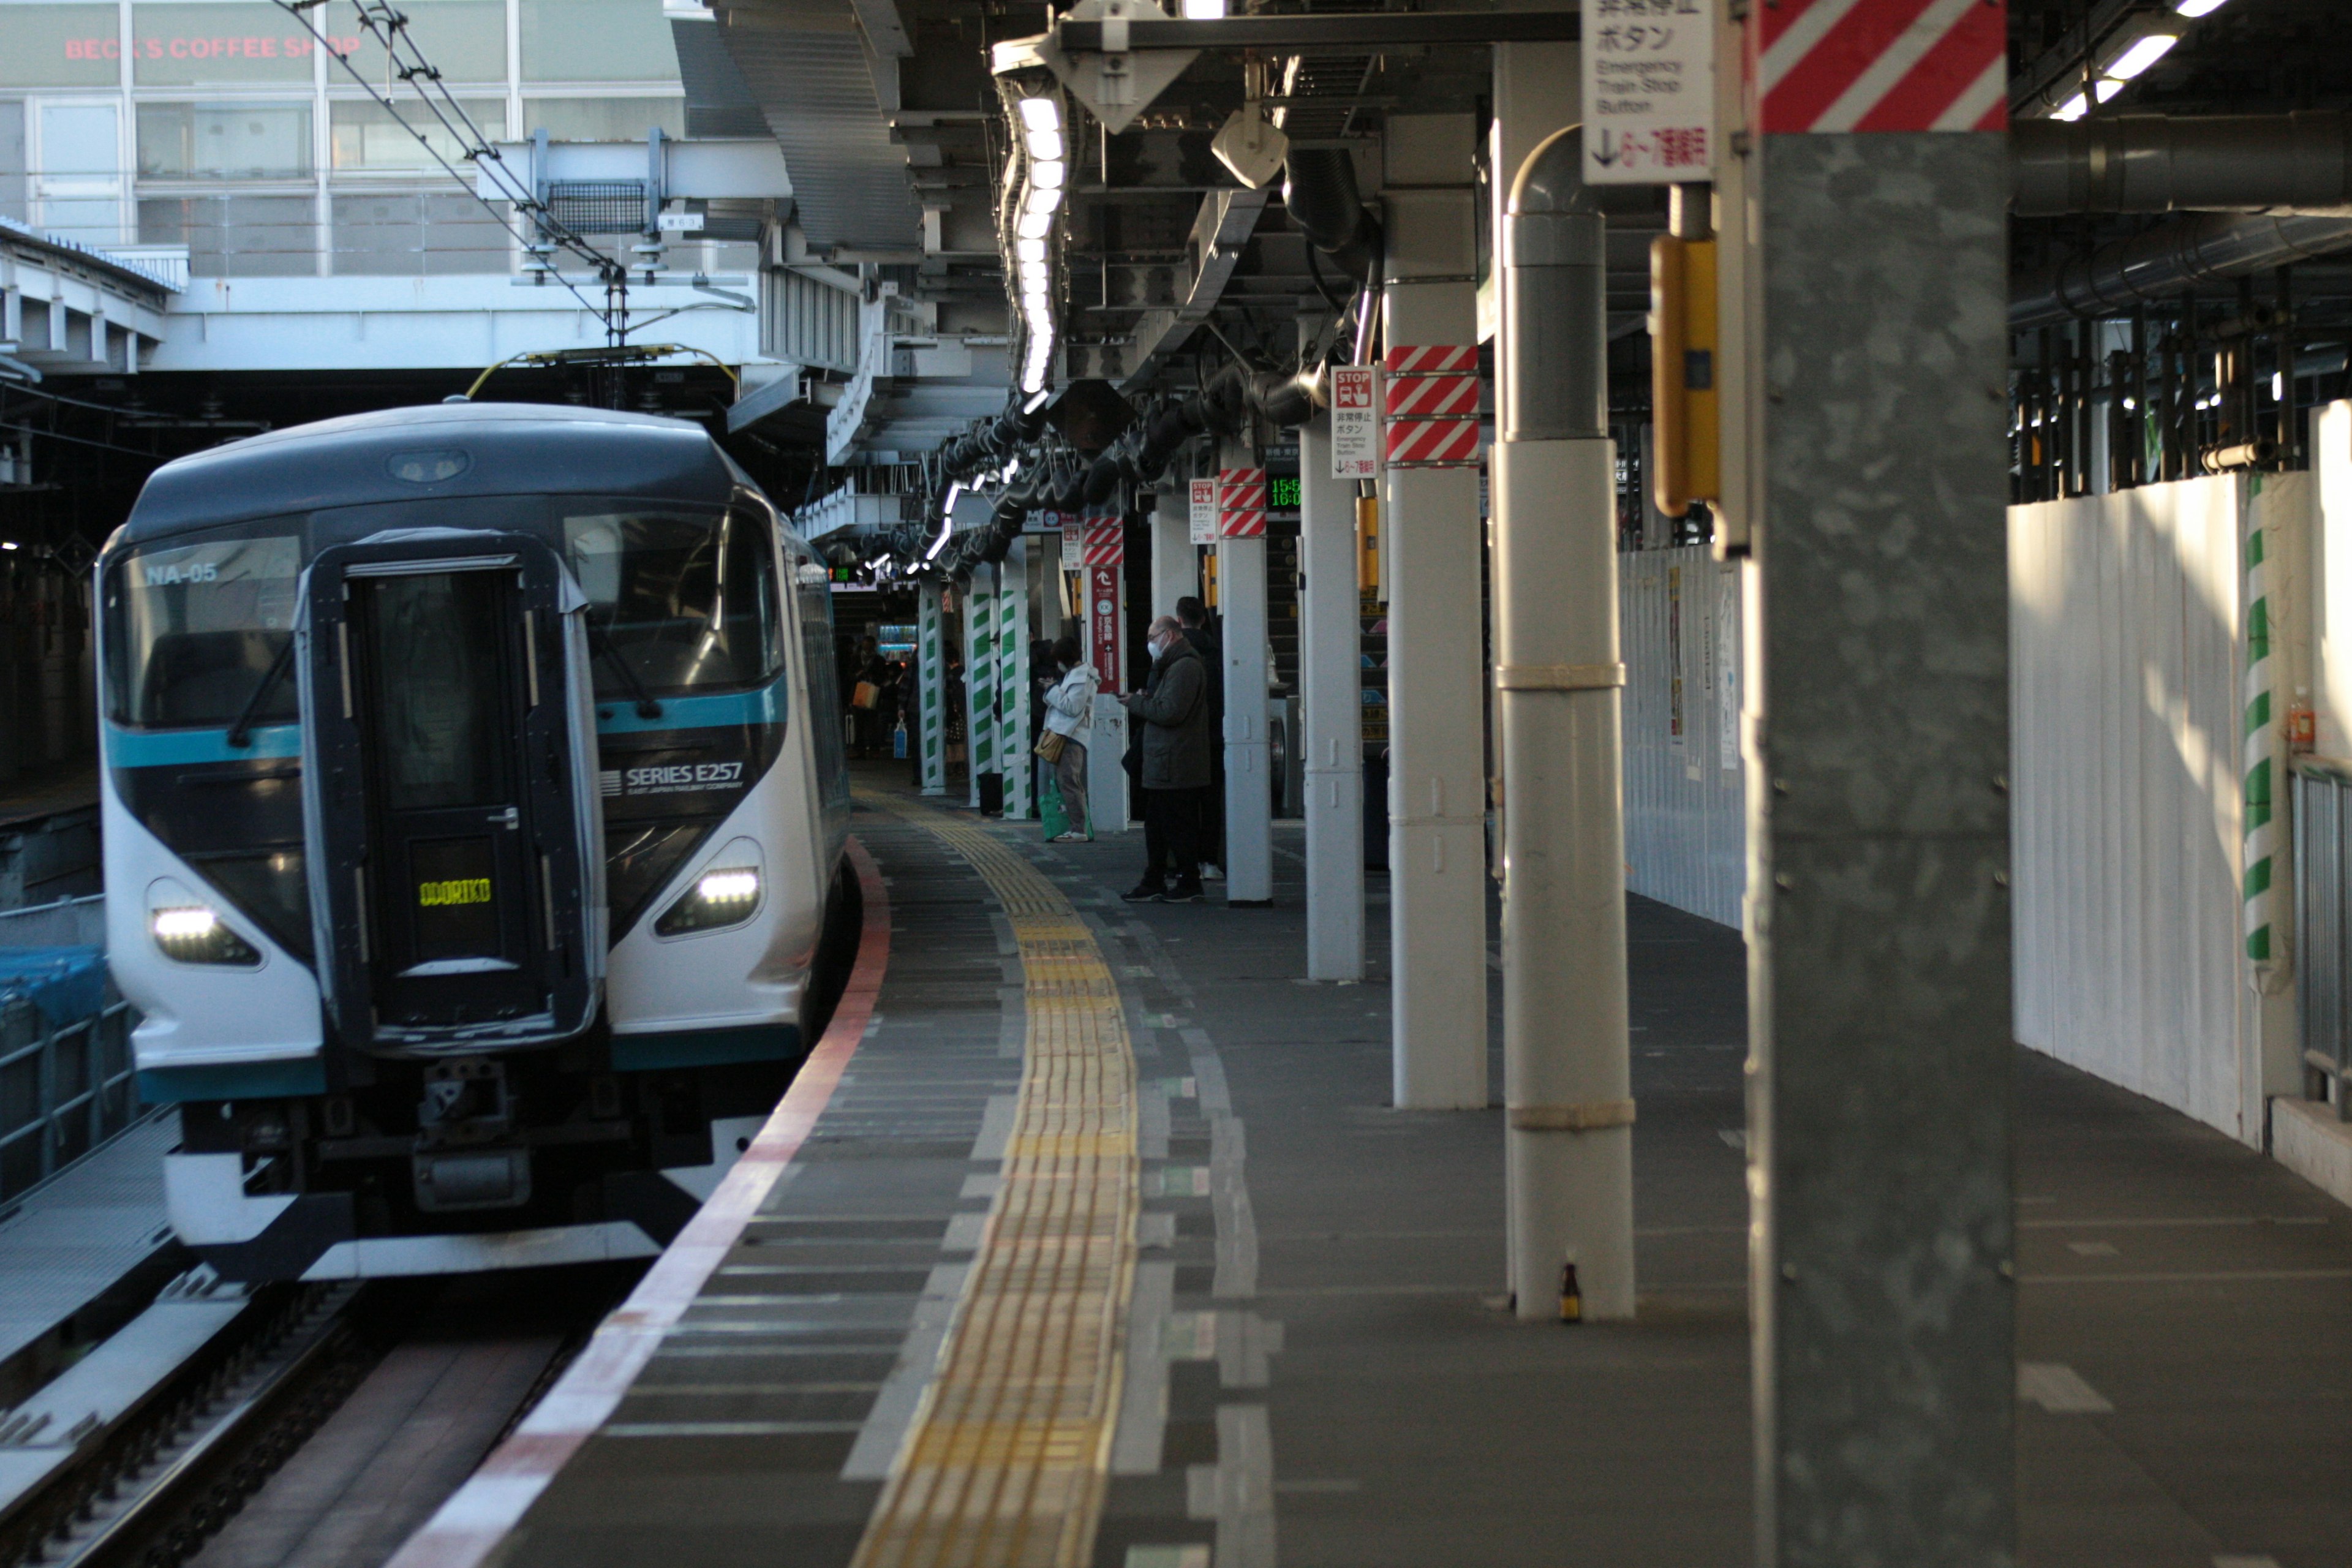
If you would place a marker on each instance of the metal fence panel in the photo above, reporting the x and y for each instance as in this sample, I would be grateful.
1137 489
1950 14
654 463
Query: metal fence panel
66 1086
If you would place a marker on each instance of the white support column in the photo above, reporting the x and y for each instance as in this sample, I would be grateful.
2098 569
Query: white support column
1175 564
980 678
1330 649
1014 691
1567 1077
1249 794
1437 863
930 689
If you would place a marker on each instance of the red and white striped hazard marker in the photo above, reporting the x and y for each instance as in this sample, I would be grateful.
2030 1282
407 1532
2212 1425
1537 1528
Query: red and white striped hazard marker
1105 545
1241 503
1433 405
1880 65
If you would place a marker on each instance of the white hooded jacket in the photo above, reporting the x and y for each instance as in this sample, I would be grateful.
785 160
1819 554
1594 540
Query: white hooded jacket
1070 706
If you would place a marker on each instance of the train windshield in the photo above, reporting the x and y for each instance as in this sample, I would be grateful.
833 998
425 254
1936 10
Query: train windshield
679 600
196 632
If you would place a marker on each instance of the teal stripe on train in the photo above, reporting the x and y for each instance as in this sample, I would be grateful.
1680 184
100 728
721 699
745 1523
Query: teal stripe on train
179 748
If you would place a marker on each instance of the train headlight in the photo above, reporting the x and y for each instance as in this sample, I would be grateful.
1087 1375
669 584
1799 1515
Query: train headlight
194 933
725 893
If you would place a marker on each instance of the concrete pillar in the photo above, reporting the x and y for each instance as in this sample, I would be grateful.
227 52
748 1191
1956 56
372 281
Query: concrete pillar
1330 684
1175 564
1249 794
1566 1073
979 676
1437 808
1015 690
930 688
1884 1289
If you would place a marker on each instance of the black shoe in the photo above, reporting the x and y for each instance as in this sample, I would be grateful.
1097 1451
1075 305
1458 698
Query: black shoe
1145 893
1185 892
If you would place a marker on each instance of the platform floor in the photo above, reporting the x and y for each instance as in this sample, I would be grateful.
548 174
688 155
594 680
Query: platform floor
1192 1288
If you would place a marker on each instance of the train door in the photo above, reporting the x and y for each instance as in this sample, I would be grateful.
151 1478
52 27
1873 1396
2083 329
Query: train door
446 723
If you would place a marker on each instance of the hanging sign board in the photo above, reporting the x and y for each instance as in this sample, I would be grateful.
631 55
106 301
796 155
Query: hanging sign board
1355 423
1204 516
1649 91
1102 624
1072 558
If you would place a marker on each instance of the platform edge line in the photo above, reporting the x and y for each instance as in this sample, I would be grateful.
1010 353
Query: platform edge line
465 1529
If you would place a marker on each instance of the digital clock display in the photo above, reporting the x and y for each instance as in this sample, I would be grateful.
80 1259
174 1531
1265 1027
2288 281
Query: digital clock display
1281 490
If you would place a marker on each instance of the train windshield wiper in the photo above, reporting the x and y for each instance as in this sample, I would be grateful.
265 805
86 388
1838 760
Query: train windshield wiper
240 734
646 707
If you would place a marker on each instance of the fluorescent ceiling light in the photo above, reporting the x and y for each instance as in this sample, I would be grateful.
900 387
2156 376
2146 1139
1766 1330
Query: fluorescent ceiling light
2194 8
1203 10
1043 199
2106 88
1030 250
1045 144
2073 108
2140 55
1048 174
1041 114
1034 404
1034 224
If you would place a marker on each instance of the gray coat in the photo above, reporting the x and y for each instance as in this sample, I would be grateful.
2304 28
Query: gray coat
1178 736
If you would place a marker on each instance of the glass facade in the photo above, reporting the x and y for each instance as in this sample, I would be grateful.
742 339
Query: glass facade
222 125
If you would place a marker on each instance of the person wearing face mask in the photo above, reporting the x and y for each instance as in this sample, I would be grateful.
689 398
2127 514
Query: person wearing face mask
1173 714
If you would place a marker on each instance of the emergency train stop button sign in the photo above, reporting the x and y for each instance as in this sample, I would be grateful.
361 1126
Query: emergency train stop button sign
1649 91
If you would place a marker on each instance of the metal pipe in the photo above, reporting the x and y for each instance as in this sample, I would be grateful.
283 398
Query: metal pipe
1567 1079
2283 164
2201 251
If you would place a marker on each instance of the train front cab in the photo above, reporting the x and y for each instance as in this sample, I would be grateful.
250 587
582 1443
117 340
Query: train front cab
473 1089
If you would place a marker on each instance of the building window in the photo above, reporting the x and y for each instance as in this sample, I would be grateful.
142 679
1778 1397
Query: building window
236 237
603 119
364 138
596 40
14 166
225 140
60 45
466 40
219 45
413 235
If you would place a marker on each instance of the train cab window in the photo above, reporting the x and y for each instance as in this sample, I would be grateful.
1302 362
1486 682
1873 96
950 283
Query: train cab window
685 600
195 632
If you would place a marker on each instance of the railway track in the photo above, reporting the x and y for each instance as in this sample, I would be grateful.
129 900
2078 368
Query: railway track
252 1430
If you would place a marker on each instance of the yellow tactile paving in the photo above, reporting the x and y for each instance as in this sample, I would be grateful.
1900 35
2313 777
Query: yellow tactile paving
1004 1464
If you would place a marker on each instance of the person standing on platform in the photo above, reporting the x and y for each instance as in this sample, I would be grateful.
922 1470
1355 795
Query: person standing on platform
1193 616
1069 714
1177 743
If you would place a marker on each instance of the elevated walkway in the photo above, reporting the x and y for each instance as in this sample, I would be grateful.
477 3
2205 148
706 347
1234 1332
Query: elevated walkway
1088 1237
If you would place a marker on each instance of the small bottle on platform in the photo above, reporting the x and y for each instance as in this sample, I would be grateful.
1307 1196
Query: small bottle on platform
1572 1296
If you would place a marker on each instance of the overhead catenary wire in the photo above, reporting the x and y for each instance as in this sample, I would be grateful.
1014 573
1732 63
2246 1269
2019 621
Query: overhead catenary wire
390 28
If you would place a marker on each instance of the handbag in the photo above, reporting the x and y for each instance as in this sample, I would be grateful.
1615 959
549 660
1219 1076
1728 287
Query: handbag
1049 746
866 696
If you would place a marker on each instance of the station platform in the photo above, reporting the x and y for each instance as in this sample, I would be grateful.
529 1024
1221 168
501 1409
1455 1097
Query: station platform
1088 1237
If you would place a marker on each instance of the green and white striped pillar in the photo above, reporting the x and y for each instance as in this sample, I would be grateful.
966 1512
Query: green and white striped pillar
930 737
2262 751
980 680
1012 692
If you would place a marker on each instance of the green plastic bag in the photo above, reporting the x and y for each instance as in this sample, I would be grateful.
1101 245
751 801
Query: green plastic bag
1050 815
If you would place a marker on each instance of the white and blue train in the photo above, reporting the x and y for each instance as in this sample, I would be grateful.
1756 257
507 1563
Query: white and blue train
474 817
